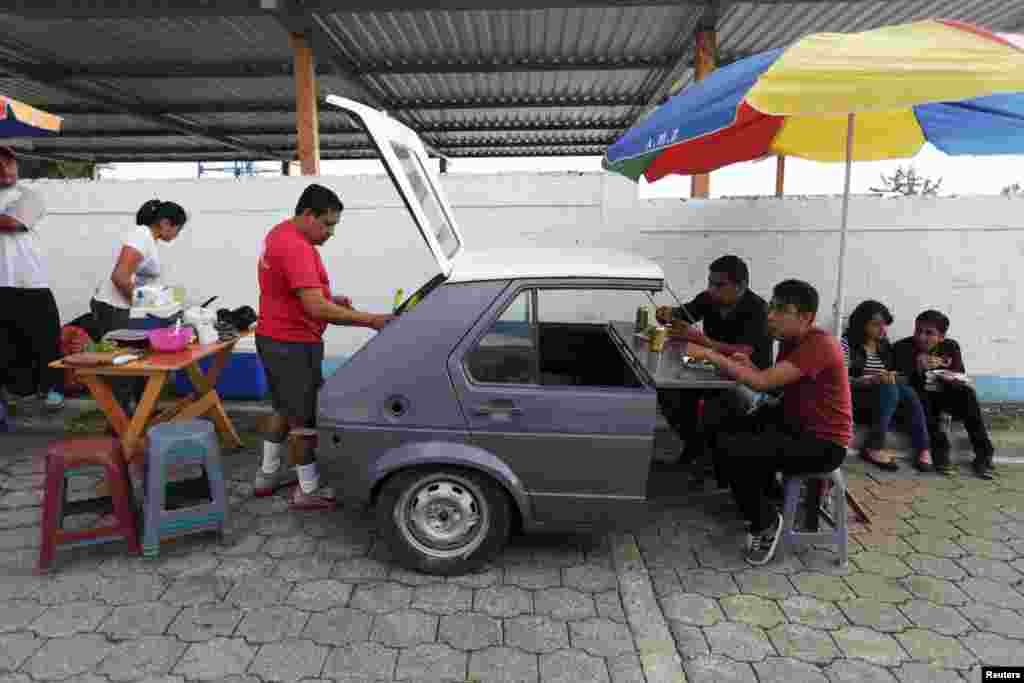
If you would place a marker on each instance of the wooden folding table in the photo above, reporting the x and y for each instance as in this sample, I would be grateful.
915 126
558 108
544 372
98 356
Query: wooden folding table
157 367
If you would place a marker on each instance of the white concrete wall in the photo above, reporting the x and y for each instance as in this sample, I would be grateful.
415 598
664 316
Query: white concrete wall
963 256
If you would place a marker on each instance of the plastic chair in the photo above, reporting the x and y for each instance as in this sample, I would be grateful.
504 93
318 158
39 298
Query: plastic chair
179 444
83 456
793 538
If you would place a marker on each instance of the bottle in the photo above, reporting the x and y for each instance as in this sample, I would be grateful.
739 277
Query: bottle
398 299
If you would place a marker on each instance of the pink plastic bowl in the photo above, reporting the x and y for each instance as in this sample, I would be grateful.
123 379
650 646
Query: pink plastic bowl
167 340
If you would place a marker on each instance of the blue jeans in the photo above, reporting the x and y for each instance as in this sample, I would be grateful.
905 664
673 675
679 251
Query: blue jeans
881 403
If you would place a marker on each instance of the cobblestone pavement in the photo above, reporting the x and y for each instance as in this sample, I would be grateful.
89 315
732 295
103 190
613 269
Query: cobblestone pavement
932 591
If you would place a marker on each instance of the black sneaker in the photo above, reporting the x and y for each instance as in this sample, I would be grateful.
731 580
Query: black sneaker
762 548
984 469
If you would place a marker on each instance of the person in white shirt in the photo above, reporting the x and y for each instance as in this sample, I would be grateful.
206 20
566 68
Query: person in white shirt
29 319
137 264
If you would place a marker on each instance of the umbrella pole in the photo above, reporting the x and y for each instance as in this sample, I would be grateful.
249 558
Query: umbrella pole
837 309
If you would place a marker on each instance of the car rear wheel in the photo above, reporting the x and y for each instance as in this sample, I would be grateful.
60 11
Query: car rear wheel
443 521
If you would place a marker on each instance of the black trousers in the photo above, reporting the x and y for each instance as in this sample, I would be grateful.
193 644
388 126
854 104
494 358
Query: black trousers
763 445
29 341
961 402
721 408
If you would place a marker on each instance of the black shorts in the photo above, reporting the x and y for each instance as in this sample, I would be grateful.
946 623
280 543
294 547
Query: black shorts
295 375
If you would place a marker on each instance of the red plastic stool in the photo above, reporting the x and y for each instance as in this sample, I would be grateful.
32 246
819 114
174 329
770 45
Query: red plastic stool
66 458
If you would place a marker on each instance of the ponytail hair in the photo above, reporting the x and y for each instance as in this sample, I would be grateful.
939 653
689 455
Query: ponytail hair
154 211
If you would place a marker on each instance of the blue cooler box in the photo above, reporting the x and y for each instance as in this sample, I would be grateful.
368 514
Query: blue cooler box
242 378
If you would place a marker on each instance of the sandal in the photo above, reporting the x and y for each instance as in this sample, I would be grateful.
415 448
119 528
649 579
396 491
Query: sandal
887 465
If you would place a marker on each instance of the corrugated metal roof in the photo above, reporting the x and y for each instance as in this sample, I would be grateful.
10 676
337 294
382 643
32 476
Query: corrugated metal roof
478 82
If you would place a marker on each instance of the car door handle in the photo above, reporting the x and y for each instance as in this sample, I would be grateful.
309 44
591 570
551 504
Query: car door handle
497 408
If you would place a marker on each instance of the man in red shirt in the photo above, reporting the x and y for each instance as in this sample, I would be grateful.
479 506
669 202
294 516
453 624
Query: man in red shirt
296 306
808 432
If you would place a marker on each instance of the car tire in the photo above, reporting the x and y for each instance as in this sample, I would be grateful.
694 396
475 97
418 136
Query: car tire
444 521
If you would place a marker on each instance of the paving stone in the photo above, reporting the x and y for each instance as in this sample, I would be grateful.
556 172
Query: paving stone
21 517
938 618
939 591
184 561
939 567
380 598
204 622
277 525
979 528
983 547
565 603
481 579
812 612
590 579
295 545
269 624
994 620
125 590
340 549
935 649
995 570
690 640
936 510
338 626
878 587
505 665
782 670
885 543
753 610
913 672
16 615
876 562
259 591
196 590
709 583
993 593
739 642
62 658
146 657
360 570
432 663
15 648
938 528
875 615
536 634
370 660
992 649
532 577
803 643
300 569
241 543
722 558
853 671
600 637
404 628
876 648
626 669
69 619
19 537
289 660
66 588
442 598
609 606
411 578
503 601
691 609
320 596
772 586
572 666
150 618
935 545
215 659
822 587
665 581
470 631
718 670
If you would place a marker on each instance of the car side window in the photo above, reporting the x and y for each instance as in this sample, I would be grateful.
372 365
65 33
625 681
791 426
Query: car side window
507 354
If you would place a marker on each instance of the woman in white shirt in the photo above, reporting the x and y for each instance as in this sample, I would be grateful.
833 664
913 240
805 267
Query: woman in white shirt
138 263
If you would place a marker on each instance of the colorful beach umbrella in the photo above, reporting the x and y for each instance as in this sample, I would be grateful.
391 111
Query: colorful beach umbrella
21 120
879 94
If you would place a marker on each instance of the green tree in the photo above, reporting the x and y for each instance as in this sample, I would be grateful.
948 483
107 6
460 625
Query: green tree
908 183
52 168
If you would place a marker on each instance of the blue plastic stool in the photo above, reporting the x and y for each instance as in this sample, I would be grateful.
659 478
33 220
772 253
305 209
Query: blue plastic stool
171 444
793 538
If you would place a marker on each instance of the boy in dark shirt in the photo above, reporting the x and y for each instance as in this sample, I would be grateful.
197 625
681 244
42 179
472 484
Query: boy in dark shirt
735 321
917 357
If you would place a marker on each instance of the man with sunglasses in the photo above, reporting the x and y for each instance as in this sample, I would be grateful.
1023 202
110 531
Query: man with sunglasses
735 321
296 305
808 432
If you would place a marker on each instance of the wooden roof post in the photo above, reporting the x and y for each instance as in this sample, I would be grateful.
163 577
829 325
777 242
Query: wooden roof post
307 122
780 175
705 48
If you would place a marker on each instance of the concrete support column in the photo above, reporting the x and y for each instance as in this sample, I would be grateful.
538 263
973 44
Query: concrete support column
705 50
307 123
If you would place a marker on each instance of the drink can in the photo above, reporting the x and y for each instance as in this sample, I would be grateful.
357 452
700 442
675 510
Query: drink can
659 337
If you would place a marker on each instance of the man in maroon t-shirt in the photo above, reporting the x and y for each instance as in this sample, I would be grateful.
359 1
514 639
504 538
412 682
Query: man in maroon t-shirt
296 306
808 432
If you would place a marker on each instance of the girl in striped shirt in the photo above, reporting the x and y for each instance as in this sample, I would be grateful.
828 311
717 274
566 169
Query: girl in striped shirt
877 390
